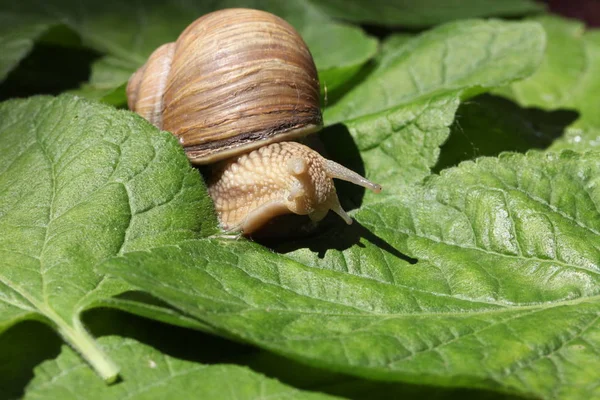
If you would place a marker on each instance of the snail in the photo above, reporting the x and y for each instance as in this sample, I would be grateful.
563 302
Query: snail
237 87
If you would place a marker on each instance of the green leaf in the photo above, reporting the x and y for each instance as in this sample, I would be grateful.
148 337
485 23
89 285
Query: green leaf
82 182
569 77
399 115
149 374
504 294
561 69
489 125
422 13
444 61
127 32
399 147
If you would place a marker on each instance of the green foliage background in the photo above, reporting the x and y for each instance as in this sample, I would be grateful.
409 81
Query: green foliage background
474 274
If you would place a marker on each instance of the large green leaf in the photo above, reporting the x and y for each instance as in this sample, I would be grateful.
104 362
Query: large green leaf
569 77
421 13
562 68
447 59
128 32
149 374
80 183
400 113
502 292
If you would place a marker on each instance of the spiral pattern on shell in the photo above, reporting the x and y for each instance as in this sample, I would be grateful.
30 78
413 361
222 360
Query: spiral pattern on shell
234 80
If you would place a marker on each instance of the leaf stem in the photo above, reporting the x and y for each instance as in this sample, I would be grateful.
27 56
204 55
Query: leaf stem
89 349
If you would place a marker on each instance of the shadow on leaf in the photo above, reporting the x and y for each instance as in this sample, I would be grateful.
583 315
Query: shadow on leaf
489 125
183 343
56 64
333 96
24 346
199 347
334 234
338 384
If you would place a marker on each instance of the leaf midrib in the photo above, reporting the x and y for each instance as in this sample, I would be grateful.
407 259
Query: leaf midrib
39 307
252 308
508 308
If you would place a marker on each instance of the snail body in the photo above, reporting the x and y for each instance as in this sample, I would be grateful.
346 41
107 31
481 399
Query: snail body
238 80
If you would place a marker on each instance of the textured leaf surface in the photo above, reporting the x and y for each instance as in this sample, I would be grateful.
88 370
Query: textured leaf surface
129 31
485 277
569 77
504 294
82 182
420 13
149 374
444 61
399 115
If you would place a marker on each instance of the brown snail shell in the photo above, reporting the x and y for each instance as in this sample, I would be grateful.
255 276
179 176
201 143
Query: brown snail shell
237 80
251 81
